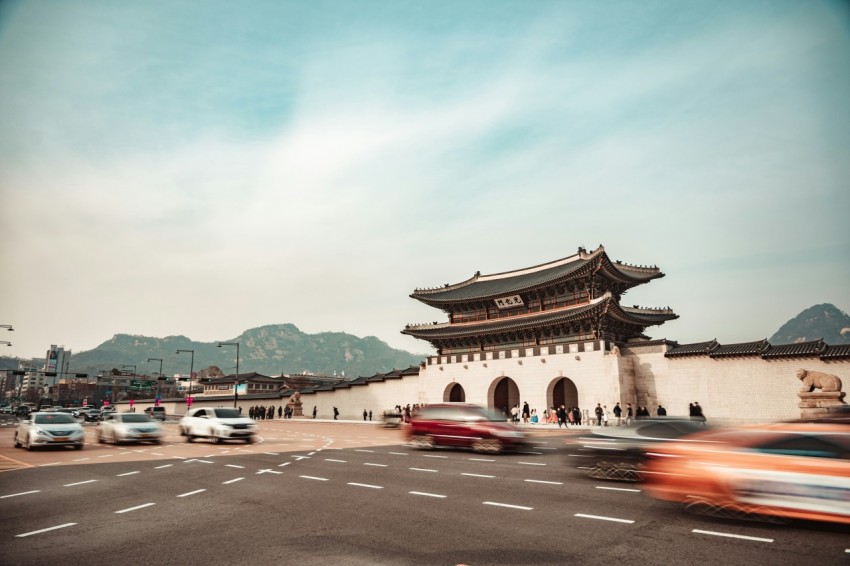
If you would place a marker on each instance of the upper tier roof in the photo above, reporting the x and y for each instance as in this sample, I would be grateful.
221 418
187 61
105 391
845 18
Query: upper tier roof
581 264
605 304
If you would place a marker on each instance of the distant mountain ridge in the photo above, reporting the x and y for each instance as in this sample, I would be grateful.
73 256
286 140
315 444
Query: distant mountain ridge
269 350
824 321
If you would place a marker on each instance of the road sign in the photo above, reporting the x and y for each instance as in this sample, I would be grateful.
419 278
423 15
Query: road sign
141 384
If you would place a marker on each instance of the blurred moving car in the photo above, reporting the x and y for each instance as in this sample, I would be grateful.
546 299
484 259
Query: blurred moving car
217 424
463 425
156 412
129 427
107 410
49 429
619 453
781 471
92 415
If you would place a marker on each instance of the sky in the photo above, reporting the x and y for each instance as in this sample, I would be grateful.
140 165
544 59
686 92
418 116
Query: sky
202 168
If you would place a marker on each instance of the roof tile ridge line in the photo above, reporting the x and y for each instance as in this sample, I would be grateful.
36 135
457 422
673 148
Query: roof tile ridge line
634 308
447 287
632 267
581 254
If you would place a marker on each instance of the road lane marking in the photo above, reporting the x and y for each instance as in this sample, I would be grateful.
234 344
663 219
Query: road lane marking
267 471
476 475
78 483
546 482
284 464
301 457
618 489
531 463
601 518
81 459
203 461
481 460
399 453
433 456
137 507
21 493
362 450
376 465
332 460
744 537
535 453
50 464
107 456
427 494
509 506
191 493
127 474
45 530
311 453
234 466
313 478
163 466
232 481
156 454
366 485
272 453
422 470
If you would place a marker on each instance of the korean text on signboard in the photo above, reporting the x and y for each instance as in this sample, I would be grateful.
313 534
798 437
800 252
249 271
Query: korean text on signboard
509 302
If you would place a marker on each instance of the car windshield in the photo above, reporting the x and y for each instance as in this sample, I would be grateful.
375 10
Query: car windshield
227 413
54 418
135 418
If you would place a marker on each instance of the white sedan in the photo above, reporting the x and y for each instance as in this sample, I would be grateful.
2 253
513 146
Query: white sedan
129 427
49 429
217 424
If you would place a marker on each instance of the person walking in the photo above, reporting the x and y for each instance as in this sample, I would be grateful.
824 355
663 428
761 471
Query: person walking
314 411
365 414
617 413
336 413
598 412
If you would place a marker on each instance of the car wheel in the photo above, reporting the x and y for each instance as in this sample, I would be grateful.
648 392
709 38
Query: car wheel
422 441
100 439
78 446
215 439
189 438
16 443
487 445
30 447
182 431
249 440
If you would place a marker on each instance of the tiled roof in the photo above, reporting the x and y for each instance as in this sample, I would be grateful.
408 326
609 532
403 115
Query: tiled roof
837 352
512 282
813 348
698 349
743 349
606 304
252 377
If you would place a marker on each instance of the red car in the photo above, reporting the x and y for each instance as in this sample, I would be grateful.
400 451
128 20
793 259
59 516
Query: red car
463 425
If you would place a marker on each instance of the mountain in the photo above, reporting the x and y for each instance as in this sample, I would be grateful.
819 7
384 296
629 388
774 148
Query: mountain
820 321
269 350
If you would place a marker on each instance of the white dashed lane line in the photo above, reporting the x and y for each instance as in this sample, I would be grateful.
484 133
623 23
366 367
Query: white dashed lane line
433 456
78 483
476 475
45 530
376 465
232 481
365 485
163 466
362 450
126 474
601 518
50 464
81 459
531 463
618 489
546 482
422 470
481 460
424 494
313 478
21 493
509 506
192 493
332 460
136 508
729 535
399 453
234 466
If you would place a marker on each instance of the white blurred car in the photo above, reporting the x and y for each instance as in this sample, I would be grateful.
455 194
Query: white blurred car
217 424
49 429
129 427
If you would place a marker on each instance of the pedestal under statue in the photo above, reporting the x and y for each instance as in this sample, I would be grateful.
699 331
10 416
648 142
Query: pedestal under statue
820 396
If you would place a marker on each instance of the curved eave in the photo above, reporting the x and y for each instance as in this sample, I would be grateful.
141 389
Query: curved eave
487 287
607 305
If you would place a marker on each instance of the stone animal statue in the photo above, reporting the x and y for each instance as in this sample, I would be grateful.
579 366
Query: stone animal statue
812 380
296 398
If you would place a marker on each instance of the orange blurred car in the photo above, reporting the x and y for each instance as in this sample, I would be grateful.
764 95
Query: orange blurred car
774 472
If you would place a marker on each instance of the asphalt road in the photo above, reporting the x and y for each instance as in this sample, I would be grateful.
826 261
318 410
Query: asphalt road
352 493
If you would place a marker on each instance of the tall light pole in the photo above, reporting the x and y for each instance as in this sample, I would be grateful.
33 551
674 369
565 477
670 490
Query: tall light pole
191 368
236 382
159 375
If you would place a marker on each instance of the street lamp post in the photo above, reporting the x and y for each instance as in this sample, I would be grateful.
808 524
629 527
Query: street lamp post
236 382
191 368
159 375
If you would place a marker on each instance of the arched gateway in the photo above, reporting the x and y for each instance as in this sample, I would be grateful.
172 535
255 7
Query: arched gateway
563 391
503 394
454 393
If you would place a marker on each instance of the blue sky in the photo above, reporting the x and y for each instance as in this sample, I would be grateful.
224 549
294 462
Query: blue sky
201 168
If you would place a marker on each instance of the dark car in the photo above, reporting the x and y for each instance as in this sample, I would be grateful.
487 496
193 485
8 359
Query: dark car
463 425
92 416
619 453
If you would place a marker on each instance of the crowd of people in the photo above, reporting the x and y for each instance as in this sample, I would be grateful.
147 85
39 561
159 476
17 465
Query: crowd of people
565 416
258 412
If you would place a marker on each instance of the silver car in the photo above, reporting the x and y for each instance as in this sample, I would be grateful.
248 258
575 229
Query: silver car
217 424
49 429
129 427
